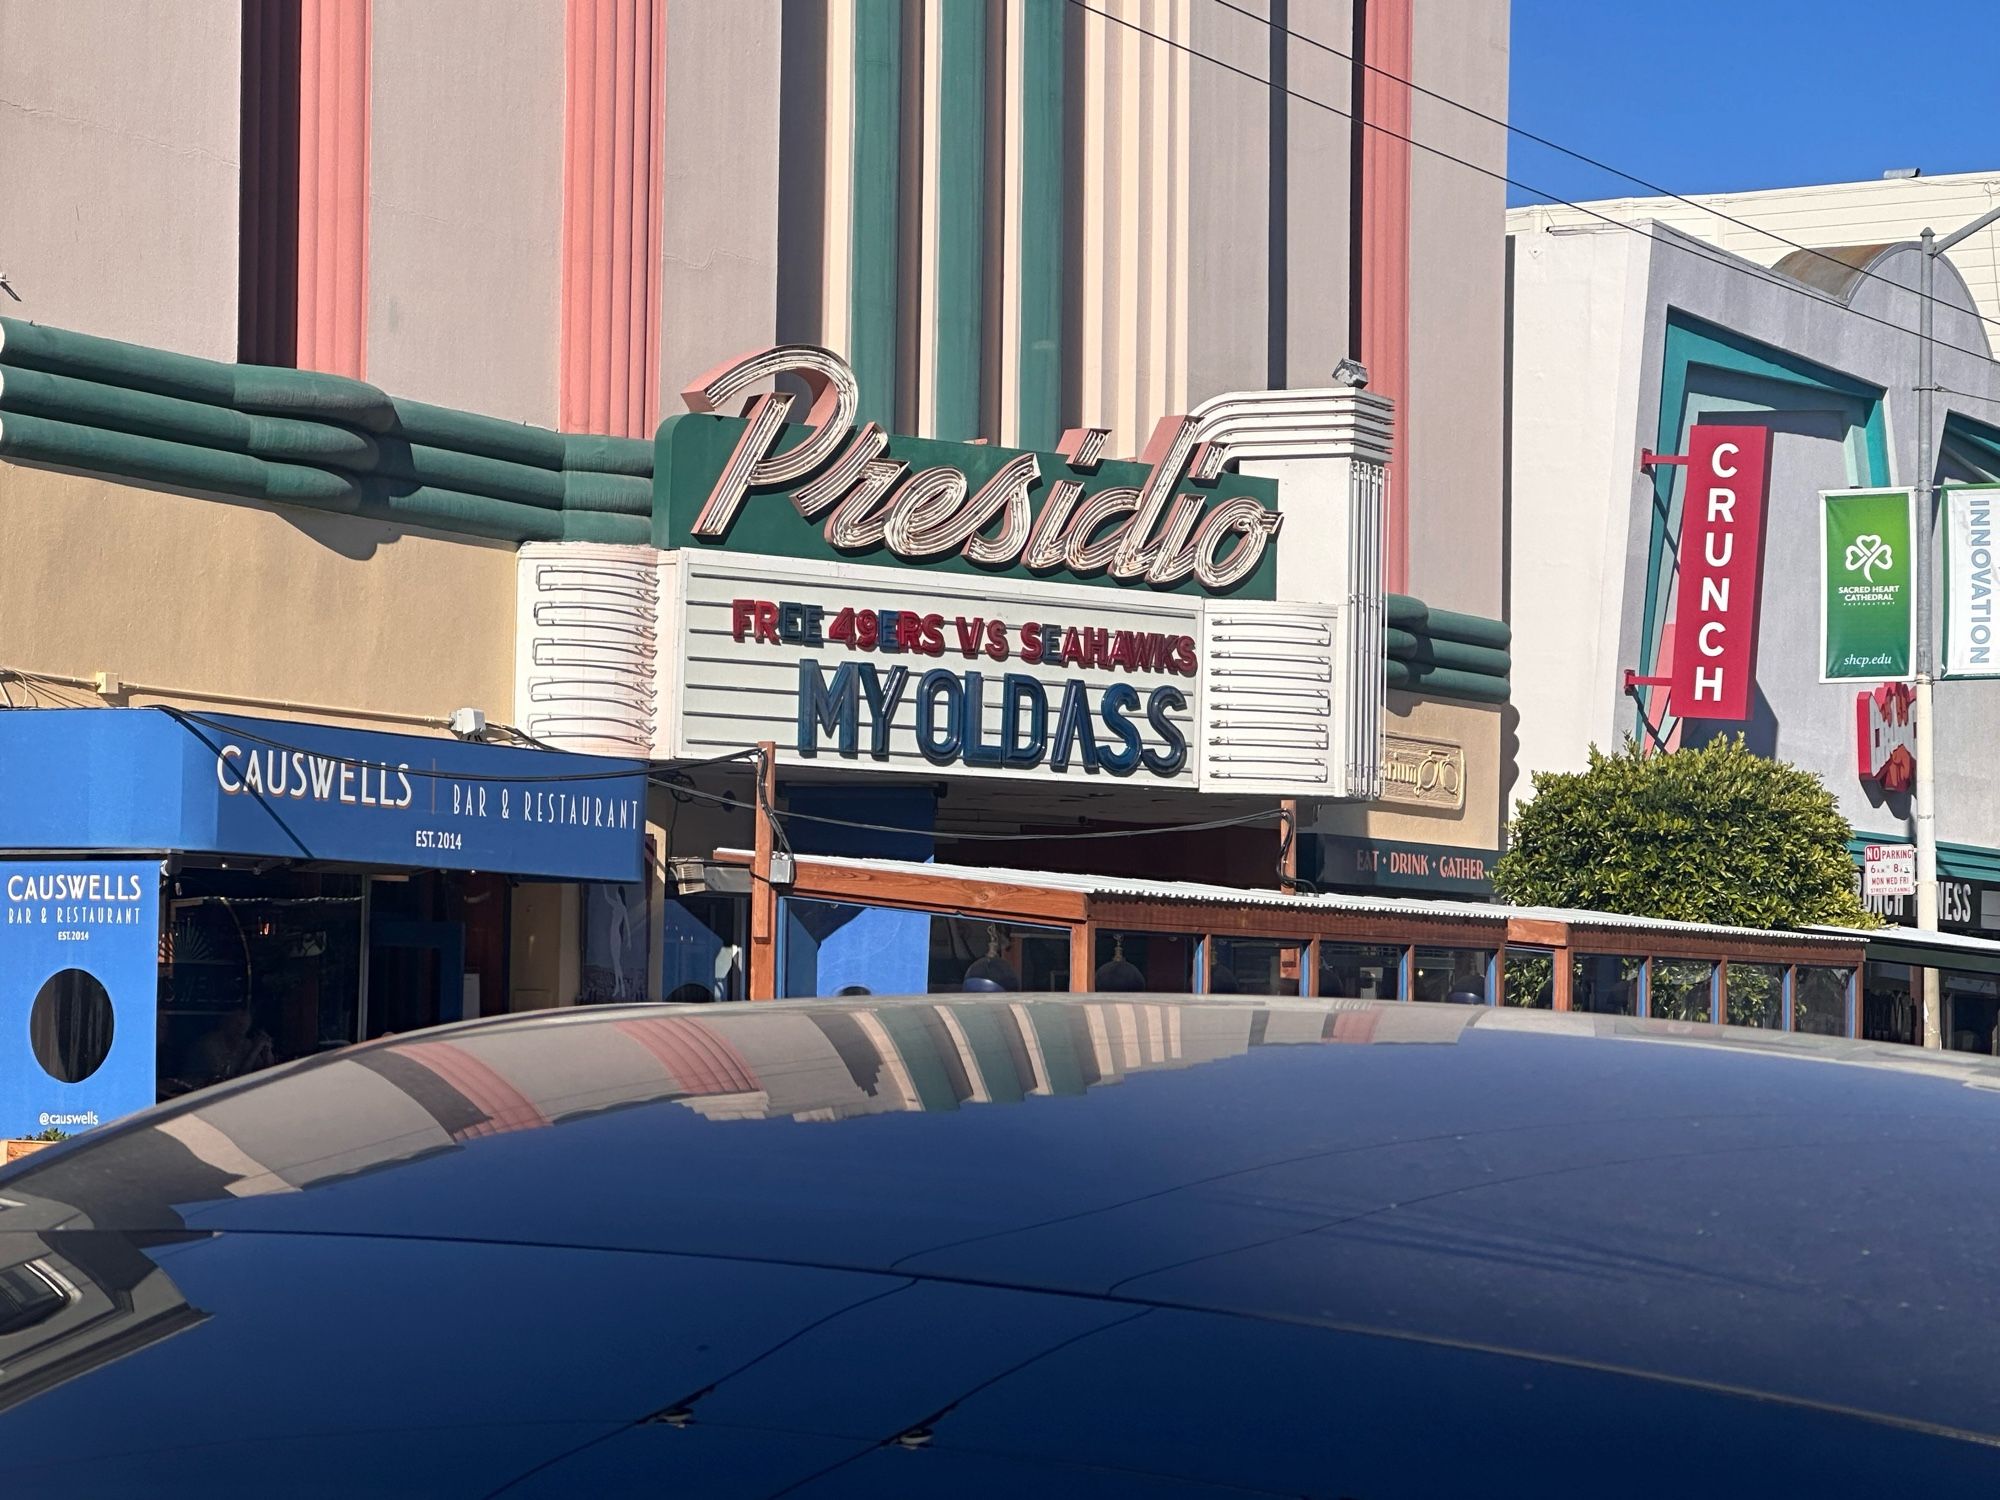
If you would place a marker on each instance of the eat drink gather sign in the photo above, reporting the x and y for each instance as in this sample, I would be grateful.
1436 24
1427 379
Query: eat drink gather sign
1721 572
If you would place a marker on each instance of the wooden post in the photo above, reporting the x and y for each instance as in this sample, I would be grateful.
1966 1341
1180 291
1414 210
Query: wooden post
1082 957
764 895
1290 807
1563 974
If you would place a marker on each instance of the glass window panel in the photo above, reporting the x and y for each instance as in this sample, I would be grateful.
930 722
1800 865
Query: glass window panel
1254 966
255 969
1606 984
702 939
1888 1004
837 948
969 953
1971 1011
1682 989
1530 981
1360 971
1458 975
1819 1000
1755 995
1160 963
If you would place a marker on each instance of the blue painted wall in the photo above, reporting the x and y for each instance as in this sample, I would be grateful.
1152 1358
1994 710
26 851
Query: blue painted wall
827 946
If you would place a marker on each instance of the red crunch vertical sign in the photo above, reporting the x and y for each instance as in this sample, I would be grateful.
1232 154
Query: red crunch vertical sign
1721 560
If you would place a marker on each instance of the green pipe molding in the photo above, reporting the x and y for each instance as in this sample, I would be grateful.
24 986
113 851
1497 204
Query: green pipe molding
98 405
65 398
245 387
1431 651
1413 615
1443 682
38 440
596 454
1405 612
473 473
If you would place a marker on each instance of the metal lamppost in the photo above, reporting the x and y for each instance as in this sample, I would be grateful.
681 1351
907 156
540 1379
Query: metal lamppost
1925 800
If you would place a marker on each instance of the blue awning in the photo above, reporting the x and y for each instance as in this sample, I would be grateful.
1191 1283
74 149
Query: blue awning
158 780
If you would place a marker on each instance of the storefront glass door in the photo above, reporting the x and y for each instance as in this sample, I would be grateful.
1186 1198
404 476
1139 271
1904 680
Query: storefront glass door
255 970
416 975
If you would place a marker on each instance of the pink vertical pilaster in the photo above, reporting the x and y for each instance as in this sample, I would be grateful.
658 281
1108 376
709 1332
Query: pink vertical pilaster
1385 256
613 199
334 42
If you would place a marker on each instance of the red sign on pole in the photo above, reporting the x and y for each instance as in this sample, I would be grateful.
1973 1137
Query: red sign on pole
1721 566
1886 736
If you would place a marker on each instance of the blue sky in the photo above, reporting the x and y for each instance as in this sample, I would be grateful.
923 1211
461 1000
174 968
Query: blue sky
1705 96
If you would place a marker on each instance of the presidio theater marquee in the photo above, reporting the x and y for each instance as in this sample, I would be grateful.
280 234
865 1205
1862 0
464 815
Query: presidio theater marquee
904 605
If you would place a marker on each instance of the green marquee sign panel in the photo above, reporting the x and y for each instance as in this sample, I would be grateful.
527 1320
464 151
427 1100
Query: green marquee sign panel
1066 522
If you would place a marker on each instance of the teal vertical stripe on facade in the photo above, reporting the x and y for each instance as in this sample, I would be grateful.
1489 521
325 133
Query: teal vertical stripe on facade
877 166
1041 219
1692 344
961 220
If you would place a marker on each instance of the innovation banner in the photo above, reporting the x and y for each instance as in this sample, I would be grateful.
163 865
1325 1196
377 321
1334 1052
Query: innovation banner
1866 613
1969 646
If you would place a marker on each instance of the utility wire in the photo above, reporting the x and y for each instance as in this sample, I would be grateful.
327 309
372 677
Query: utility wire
1582 156
1700 251
666 775
998 838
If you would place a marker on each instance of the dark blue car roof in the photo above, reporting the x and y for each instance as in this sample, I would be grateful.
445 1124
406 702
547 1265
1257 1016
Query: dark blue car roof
1094 1247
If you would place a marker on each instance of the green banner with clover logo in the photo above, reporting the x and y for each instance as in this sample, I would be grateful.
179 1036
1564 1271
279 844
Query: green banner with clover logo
1866 597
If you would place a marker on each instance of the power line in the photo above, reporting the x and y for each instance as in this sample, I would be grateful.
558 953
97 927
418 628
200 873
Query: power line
1575 155
1952 390
1699 251
188 721
665 774
1102 833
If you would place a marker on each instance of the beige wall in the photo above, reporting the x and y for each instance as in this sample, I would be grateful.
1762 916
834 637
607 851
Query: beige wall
1476 727
119 157
719 242
1453 426
204 596
544 966
465 205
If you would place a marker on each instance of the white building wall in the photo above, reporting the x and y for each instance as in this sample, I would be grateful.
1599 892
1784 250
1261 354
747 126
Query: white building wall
1881 212
1578 317
1591 313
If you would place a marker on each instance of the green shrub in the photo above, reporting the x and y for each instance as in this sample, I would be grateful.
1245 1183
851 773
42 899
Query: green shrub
1715 834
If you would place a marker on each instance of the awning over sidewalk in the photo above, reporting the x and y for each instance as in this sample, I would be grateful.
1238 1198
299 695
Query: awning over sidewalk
100 781
1923 950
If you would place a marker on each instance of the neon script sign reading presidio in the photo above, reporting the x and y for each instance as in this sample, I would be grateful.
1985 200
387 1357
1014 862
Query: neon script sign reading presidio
823 486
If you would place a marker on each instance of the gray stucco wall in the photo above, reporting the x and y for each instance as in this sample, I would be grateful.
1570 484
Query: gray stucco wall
1229 204
1318 180
465 205
1451 434
119 154
719 251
